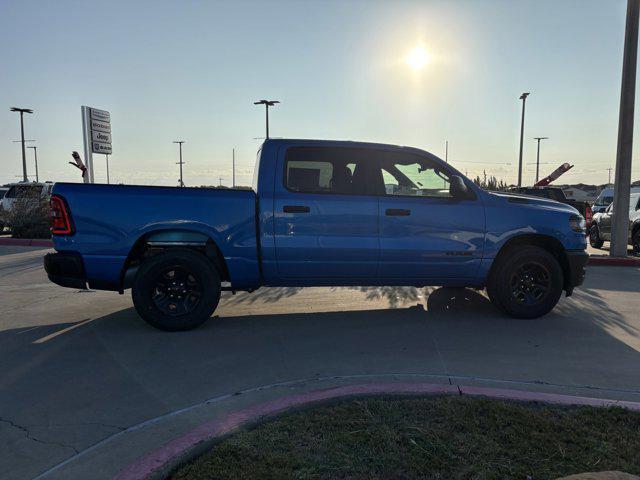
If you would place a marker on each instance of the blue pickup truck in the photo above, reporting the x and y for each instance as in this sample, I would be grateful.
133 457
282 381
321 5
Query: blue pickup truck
320 213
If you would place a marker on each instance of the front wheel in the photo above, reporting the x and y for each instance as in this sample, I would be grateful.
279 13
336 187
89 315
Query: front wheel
595 240
176 290
526 282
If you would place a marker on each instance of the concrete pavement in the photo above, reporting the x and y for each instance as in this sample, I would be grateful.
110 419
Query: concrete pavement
86 382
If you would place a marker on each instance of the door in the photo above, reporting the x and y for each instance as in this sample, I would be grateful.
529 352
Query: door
605 223
424 231
325 214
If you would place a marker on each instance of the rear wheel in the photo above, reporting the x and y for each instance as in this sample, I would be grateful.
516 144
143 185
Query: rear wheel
526 282
176 290
594 237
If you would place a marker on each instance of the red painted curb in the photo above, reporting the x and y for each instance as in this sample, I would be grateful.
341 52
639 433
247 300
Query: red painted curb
162 460
26 242
613 261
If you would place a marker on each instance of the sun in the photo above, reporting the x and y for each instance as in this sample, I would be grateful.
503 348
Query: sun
417 58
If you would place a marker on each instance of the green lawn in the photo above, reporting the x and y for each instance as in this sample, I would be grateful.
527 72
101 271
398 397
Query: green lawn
446 437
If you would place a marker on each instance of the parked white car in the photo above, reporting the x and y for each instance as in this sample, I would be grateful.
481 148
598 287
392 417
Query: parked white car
3 192
26 190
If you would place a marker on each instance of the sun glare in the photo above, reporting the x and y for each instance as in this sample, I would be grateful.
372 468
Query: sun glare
417 58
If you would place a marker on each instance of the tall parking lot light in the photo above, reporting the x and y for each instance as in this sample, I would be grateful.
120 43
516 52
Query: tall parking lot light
538 156
180 142
267 104
35 157
24 154
523 97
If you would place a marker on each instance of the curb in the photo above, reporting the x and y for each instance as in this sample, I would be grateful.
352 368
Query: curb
606 260
160 463
26 242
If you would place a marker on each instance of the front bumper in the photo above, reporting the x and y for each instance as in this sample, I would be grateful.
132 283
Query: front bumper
577 259
66 269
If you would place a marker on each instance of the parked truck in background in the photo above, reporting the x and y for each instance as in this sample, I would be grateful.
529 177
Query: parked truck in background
557 194
606 197
321 213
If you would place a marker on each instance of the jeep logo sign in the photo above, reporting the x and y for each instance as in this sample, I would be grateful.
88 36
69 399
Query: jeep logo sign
100 130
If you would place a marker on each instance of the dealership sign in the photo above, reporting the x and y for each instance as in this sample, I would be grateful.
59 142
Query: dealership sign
96 125
100 127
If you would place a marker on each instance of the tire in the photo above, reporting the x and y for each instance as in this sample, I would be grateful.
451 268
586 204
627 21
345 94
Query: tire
635 240
594 237
176 290
526 282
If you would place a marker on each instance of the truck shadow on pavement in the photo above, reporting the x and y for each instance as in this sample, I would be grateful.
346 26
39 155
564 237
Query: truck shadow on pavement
438 299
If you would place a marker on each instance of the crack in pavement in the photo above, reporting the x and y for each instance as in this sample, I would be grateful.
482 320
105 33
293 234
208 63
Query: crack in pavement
34 439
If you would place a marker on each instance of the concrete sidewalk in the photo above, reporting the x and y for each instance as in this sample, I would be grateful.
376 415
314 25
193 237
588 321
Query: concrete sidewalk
87 387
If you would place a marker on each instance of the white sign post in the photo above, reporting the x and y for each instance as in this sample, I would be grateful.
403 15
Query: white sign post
96 130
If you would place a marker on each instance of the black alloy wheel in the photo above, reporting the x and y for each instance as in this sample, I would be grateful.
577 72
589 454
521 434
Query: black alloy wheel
176 291
530 283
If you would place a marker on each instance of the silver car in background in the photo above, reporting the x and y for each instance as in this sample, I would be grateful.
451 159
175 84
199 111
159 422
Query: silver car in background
600 230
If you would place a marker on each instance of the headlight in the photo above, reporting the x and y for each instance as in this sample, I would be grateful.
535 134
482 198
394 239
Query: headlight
577 223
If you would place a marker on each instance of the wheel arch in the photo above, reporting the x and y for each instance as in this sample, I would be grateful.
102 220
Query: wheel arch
156 241
546 242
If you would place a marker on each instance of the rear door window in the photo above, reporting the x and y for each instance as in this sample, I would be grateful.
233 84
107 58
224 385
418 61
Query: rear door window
326 170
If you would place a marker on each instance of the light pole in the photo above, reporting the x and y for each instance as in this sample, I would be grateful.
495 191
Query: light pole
267 104
538 156
180 142
24 154
622 185
233 168
523 97
35 156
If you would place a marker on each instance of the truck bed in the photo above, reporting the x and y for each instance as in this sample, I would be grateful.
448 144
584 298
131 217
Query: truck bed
110 219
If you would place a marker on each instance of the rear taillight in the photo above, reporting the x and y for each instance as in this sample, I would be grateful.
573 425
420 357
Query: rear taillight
60 219
588 215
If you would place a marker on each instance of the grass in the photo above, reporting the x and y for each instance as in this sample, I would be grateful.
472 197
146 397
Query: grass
432 437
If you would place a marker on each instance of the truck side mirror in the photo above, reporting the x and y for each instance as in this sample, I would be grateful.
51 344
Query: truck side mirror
457 187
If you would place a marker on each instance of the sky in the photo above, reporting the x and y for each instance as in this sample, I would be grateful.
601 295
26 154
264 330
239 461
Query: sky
347 70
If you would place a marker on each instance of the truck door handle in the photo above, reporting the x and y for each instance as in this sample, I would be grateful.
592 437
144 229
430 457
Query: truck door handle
398 212
296 209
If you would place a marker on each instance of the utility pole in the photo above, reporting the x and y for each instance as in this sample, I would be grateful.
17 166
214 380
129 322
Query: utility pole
523 97
233 168
446 151
180 142
267 104
35 156
24 154
538 157
107 156
622 185
220 181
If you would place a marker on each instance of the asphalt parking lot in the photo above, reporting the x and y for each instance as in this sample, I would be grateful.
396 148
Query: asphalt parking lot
80 369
